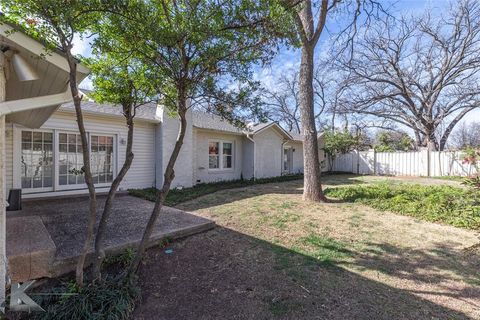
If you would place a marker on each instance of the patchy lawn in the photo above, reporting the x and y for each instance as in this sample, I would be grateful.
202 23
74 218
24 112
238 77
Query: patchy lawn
274 256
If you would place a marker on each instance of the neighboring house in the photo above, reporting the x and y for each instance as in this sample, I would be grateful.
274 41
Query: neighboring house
46 161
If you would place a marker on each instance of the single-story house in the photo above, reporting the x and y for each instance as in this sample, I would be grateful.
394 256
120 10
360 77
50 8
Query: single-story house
41 153
44 161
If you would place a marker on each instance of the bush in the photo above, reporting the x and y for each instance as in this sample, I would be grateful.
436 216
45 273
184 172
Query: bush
176 196
112 299
451 205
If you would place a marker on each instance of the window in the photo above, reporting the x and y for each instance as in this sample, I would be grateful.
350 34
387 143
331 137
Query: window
70 159
220 155
213 155
227 155
37 159
102 158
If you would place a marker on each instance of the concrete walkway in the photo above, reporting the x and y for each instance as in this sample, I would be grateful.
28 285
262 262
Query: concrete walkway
45 238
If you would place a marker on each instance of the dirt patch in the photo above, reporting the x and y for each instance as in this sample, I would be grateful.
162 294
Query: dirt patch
275 256
224 274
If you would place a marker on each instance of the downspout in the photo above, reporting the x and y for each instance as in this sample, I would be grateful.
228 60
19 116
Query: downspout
281 157
254 151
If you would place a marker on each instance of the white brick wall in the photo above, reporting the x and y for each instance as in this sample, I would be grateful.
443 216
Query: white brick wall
201 170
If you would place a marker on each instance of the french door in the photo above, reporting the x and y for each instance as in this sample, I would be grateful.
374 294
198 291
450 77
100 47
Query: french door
53 160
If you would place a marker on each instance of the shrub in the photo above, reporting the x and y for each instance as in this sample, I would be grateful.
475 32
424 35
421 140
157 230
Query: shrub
451 205
112 299
176 196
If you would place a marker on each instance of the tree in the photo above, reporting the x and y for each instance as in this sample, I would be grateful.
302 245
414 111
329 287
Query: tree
338 142
126 82
389 141
57 25
466 135
422 73
309 27
198 48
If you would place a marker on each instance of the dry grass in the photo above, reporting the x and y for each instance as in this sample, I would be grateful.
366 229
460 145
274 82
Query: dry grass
429 260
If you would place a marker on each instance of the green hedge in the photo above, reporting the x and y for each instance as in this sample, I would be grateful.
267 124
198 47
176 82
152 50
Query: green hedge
176 196
455 206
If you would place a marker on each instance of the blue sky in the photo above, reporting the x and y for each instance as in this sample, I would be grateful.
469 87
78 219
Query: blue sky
289 59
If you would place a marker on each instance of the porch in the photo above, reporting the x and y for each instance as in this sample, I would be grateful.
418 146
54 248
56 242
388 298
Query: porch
45 238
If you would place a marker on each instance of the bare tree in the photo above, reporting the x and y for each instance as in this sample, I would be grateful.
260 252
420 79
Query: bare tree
310 19
466 135
422 72
282 103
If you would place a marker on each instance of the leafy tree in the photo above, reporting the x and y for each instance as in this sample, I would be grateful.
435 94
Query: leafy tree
389 141
128 83
338 142
57 25
202 51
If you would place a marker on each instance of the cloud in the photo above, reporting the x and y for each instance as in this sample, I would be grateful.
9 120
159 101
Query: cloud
81 46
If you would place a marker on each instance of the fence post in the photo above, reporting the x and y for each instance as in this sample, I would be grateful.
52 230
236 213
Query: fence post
429 162
374 162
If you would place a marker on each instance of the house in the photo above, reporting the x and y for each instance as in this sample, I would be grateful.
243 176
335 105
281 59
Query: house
45 161
41 153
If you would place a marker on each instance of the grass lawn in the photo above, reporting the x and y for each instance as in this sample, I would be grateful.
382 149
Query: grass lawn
274 256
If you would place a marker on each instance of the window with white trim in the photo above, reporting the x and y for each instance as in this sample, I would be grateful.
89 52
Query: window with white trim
220 155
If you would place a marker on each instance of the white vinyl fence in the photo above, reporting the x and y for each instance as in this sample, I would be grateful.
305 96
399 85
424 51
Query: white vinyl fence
412 163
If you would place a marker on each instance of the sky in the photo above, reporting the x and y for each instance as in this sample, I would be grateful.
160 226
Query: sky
289 59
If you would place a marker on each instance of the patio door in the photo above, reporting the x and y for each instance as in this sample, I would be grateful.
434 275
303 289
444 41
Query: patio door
36 161
70 160
287 160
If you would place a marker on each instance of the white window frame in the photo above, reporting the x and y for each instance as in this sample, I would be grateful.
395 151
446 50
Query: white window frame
17 154
17 160
220 155
115 156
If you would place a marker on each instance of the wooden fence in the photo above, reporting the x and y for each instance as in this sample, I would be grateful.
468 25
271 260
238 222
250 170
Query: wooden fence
415 163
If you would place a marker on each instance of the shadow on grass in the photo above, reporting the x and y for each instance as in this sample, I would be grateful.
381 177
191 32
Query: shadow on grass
223 274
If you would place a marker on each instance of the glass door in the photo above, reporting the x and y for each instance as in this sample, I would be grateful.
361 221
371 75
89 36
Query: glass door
37 161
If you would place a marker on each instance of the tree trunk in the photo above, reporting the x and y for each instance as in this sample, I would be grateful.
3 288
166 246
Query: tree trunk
312 190
92 215
107 209
169 175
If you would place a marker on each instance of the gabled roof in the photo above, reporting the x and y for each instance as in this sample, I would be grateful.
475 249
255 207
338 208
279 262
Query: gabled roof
210 121
147 112
256 129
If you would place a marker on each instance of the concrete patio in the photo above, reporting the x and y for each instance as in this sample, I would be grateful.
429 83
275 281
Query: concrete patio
45 238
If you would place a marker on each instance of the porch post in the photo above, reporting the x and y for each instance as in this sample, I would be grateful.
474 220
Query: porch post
3 218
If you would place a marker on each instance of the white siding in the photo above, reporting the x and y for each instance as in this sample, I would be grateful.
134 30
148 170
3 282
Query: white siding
248 153
268 154
9 156
201 171
141 173
297 156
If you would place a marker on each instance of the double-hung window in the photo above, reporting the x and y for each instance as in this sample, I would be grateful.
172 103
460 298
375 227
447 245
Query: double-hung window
220 155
